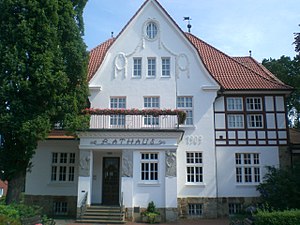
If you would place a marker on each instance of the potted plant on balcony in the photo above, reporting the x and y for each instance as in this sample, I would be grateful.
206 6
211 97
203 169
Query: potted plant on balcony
151 215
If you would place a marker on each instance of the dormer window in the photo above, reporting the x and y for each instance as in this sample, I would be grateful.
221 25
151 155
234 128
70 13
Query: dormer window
151 30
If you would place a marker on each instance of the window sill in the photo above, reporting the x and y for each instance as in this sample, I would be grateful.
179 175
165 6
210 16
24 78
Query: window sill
187 126
149 184
136 77
66 184
150 77
163 77
195 184
246 184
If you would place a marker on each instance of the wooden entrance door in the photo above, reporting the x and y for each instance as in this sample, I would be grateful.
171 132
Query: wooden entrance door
111 181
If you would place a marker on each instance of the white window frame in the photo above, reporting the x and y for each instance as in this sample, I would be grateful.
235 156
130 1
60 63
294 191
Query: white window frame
195 209
63 167
234 208
234 103
166 67
235 121
1 192
254 104
137 67
151 103
149 171
60 208
185 103
194 167
255 121
117 103
151 30
248 169
151 67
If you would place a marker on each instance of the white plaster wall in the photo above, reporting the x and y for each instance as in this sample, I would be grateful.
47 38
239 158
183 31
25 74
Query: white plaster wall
280 103
219 104
97 173
145 192
227 186
38 181
269 103
190 82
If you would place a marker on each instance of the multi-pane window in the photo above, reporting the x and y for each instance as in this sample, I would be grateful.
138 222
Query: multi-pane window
195 209
254 104
151 103
149 166
234 208
255 121
186 104
235 121
247 167
165 67
63 167
137 67
151 30
117 103
151 67
60 208
234 104
194 167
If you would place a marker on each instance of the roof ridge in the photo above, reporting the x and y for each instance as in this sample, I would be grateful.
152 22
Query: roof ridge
234 60
261 68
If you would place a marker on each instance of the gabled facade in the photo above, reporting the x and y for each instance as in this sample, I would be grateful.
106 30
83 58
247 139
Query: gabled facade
207 167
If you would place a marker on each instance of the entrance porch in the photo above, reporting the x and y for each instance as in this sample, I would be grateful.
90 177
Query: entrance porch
128 169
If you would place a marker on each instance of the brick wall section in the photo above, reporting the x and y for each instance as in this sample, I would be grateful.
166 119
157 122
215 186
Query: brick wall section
3 184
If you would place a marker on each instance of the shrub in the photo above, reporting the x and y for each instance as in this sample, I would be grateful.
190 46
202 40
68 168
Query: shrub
280 188
9 211
6 220
287 217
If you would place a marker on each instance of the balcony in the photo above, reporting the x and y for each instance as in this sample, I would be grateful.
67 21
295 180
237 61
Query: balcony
135 119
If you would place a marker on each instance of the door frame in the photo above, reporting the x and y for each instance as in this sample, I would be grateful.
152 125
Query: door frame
118 180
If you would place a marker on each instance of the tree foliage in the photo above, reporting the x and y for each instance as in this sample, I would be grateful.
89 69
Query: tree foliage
297 42
43 64
281 188
288 71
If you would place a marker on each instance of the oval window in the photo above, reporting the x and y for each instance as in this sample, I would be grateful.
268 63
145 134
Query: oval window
151 30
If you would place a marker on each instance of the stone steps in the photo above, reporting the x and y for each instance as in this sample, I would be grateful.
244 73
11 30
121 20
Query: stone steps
102 214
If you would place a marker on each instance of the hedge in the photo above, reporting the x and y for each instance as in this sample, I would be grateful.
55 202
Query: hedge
287 217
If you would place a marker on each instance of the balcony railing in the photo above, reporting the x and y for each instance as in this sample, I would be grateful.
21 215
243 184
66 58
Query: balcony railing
133 122
135 118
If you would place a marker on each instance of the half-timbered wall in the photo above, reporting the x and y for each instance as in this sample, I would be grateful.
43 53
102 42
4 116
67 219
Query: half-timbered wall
250 120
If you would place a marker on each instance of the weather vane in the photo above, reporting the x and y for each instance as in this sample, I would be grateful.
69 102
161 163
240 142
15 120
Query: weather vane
189 26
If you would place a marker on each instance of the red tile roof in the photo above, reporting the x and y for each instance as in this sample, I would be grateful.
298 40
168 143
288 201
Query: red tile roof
232 73
257 67
235 74
59 134
97 56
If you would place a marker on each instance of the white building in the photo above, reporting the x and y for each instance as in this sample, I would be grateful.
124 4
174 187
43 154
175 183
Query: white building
207 167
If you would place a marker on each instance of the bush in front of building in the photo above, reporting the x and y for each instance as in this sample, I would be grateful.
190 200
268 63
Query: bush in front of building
7 220
280 188
287 217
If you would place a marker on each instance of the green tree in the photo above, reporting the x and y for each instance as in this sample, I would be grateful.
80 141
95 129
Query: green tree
281 188
43 64
297 42
288 71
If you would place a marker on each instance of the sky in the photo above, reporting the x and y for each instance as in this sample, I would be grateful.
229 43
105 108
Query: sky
266 27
